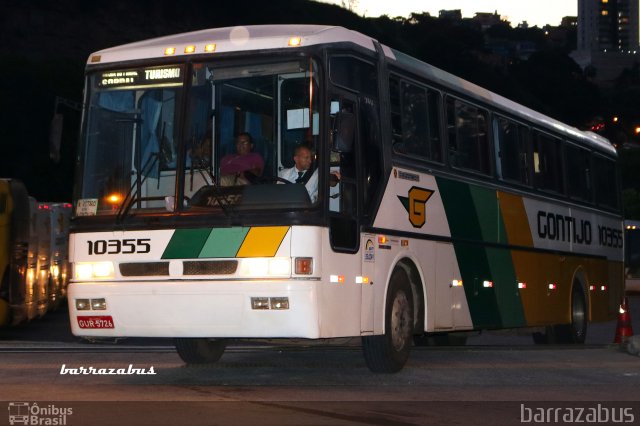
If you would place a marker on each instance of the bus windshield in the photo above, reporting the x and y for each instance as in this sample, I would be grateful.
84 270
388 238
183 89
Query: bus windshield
215 135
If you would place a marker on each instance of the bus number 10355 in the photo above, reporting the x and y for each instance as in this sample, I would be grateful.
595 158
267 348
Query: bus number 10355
126 246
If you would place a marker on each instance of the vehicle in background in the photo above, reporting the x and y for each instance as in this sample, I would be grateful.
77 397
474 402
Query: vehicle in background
15 303
632 256
59 215
34 265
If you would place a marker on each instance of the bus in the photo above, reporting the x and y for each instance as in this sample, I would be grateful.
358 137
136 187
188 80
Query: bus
18 298
456 209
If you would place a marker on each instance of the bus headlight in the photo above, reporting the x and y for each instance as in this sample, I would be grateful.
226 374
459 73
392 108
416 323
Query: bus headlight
91 270
266 267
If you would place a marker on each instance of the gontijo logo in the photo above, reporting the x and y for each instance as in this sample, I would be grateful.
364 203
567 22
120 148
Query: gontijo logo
415 205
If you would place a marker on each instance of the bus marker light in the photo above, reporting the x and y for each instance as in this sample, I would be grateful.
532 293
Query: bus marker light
362 280
304 265
592 287
279 303
552 286
259 303
522 285
98 304
404 243
169 51
382 239
603 288
295 41
456 283
83 304
190 49
487 284
209 48
336 278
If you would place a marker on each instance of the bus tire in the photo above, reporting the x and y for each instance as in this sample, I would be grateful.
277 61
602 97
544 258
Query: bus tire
576 331
200 351
388 353
573 333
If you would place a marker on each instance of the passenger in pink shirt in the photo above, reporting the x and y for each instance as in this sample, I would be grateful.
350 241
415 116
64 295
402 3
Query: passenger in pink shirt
242 167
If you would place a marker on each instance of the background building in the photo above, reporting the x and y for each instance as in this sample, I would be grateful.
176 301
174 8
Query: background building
608 37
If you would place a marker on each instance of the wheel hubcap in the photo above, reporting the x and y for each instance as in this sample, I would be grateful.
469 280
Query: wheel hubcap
400 321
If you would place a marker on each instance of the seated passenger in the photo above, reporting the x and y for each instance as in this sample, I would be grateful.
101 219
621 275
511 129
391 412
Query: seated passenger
242 167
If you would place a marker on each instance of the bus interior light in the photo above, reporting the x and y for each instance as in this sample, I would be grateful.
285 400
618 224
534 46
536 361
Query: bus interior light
304 265
114 198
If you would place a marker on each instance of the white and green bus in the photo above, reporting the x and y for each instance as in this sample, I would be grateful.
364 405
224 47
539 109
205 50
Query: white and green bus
456 209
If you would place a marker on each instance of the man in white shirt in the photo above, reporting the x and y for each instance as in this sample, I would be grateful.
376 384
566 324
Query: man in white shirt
301 173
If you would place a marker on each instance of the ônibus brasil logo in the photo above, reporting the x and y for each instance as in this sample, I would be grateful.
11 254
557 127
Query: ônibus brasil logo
31 413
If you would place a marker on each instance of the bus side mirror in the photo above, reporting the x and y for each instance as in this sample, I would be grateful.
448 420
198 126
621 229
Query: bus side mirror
343 131
55 137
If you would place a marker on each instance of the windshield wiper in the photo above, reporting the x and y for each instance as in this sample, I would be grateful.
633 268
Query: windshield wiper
123 211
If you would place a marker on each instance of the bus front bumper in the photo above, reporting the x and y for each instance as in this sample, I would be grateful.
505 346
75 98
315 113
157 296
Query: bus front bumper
215 309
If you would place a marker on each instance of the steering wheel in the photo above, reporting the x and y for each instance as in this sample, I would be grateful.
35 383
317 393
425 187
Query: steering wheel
273 179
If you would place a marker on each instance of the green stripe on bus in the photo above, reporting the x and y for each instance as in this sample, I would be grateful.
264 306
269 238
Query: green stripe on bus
505 286
472 258
502 272
474 215
186 243
224 242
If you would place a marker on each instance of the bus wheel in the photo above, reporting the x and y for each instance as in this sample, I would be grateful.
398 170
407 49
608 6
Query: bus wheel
574 332
389 352
200 351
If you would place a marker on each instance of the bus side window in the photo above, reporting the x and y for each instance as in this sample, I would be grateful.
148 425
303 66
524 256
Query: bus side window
468 136
512 150
547 163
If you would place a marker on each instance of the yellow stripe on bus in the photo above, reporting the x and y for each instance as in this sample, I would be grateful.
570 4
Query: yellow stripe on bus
515 219
262 241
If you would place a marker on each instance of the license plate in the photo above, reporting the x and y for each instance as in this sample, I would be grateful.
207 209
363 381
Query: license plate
102 321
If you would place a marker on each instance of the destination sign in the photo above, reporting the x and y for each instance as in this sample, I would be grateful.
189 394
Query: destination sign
140 77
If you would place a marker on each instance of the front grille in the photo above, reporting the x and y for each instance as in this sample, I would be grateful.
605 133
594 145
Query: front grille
210 267
144 269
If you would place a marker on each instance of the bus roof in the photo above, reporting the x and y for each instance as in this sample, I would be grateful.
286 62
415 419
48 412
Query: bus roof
232 39
258 37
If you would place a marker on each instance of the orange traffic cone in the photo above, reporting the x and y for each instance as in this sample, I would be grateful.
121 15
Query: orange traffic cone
623 330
